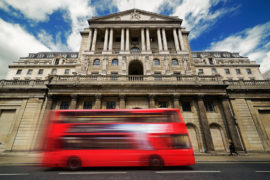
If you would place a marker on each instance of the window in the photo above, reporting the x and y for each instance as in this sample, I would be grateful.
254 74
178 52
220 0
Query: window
115 62
177 74
174 62
114 76
87 105
56 62
117 39
227 71
94 75
152 39
135 50
66 71
157 76
162 104
53 71
210 61
186 106
135 39
19 71
64 105
237 71
30 71
249 71
156 62
209 106
40 71
111 105
214 71
96 62
200 71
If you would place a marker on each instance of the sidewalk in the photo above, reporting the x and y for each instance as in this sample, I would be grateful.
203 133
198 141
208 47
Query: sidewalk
33 158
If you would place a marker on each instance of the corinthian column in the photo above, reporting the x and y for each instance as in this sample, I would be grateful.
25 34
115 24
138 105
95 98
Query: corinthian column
94 40
142 39
127 39
159 40
148 40
164 40
181 40
105 40
122 39
111 40
175 40
89 40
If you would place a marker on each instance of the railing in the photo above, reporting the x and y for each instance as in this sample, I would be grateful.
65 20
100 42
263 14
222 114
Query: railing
62 79
248 83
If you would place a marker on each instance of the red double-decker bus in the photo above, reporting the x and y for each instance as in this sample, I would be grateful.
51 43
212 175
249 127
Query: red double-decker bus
131 137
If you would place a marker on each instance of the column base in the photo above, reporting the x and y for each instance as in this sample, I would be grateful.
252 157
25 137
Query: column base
164 52
182 52
106 52
146 52
124 52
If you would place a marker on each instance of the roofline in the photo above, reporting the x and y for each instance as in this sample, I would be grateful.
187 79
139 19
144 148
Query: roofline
122 12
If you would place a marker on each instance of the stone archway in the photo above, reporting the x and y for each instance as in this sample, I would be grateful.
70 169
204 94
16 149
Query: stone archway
135 68
218 137
193 136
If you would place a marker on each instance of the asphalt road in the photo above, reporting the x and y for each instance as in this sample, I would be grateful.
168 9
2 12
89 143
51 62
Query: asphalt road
209 170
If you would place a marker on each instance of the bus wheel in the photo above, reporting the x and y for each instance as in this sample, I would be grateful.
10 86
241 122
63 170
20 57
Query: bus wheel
74 163
155 162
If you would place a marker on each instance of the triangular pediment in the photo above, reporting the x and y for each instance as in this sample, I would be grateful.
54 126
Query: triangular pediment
136 15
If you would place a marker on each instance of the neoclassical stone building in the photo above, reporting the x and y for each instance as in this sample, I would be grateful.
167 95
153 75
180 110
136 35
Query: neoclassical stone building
139 59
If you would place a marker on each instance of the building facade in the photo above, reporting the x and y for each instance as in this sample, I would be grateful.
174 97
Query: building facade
139 59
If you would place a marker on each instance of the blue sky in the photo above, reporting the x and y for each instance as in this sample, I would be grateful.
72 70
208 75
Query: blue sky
53 25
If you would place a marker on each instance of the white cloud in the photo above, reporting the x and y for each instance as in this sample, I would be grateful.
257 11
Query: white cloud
197 15
78 11
15 42
251 42
148 5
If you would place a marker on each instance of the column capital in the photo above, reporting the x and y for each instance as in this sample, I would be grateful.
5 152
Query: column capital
176 96
74 96
98 96
122 96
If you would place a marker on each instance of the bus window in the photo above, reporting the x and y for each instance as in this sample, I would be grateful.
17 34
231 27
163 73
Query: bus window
180 141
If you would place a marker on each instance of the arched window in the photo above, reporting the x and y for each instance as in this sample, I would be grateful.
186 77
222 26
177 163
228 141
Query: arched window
156 62
96 62
115 62
175 62
135 50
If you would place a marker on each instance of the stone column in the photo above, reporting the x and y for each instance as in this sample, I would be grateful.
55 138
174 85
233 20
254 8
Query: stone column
231 124
164 39
180 36
122 39
209 146
73 102
122 101
152 101
127 39
98 102
93 48
111 40
105 40
148 40
160 48
142 39
89 40
176 101
175 40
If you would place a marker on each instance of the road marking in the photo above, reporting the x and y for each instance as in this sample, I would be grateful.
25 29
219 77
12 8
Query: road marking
100 172
234 162
167 172
14 174
262 171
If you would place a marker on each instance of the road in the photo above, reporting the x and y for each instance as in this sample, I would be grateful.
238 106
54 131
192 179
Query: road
209 170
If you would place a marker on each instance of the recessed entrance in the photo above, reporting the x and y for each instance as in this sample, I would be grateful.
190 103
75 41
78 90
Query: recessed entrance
135 68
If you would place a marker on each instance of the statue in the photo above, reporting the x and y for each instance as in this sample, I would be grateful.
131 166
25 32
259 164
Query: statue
185 64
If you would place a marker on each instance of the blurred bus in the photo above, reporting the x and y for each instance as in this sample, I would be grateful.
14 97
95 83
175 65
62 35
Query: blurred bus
128 137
